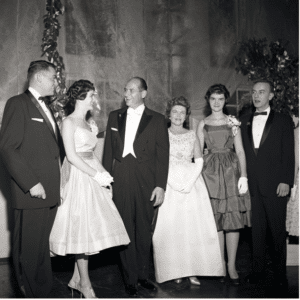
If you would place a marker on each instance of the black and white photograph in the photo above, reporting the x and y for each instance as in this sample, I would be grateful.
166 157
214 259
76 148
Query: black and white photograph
149 149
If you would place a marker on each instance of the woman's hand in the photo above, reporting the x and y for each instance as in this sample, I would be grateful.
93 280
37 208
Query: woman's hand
243 185
103 178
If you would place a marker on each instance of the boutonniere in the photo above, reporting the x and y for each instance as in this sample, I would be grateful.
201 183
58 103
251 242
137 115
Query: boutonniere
248 123
234 124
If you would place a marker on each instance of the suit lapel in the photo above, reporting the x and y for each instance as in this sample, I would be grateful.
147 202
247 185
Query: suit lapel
267 128
250 132
122 116
146 118
38 106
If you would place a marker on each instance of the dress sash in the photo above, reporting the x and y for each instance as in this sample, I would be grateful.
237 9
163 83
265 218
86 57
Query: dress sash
219 150
66 167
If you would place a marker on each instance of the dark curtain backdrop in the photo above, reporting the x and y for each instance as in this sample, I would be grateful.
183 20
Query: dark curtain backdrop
180 47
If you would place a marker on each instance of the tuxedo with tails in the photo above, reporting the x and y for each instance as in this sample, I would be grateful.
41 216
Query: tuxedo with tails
31 151
134 181
268 166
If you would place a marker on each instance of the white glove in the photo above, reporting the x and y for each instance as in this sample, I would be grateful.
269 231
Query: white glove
243 185
194 175
199 163
293 193
103 178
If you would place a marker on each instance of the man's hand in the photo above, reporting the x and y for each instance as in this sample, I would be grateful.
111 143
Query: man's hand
159 194
283 189
38 191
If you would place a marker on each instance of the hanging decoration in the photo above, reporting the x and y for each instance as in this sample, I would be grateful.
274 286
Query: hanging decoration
55 8
272 62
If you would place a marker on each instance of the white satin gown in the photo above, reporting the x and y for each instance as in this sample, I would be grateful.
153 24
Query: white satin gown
185 241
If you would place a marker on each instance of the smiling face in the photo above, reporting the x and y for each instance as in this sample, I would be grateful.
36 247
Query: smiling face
178 115
261 95
90 99
217 102
134 97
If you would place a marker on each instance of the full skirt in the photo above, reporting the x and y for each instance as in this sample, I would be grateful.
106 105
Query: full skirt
87 220
185 241
221 173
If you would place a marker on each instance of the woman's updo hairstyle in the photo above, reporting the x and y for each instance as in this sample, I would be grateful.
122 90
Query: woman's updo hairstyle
217 89
182 102
77 91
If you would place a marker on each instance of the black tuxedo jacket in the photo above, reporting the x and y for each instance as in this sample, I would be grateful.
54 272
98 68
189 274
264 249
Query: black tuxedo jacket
151 144
274 162
30 151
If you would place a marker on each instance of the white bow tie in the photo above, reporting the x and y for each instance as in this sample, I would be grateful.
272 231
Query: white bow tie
135 112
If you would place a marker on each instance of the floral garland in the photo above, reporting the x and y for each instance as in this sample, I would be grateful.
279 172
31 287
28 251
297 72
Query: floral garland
260 61
49 48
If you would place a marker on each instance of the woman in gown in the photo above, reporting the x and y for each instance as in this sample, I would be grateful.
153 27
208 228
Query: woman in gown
185 240
224 172
292 215
87 220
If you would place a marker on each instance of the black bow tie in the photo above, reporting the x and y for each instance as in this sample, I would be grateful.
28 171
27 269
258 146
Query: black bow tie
260 113
45 100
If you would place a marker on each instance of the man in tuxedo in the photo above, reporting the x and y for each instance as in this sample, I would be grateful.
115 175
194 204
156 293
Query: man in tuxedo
269 147
32 150
136 153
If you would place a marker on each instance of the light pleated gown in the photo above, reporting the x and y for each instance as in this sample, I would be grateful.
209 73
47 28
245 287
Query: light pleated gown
87 220
185 241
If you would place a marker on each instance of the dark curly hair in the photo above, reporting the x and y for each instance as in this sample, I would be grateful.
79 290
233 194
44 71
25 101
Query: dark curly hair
182 102
216 89
77 91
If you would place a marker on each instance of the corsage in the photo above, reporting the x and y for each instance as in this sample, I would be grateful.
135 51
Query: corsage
234 124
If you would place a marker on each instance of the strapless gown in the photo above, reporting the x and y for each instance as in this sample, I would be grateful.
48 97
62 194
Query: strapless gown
87 220
221 172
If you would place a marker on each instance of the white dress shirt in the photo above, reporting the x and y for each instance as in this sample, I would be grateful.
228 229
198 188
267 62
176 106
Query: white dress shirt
44 106
132 123
258 127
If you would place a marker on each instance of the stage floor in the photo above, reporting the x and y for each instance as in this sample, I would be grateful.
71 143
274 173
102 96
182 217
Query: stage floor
107 281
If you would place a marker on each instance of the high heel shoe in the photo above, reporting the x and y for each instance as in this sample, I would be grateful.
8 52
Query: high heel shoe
194 280
235 281
87 292
179 280
73 286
